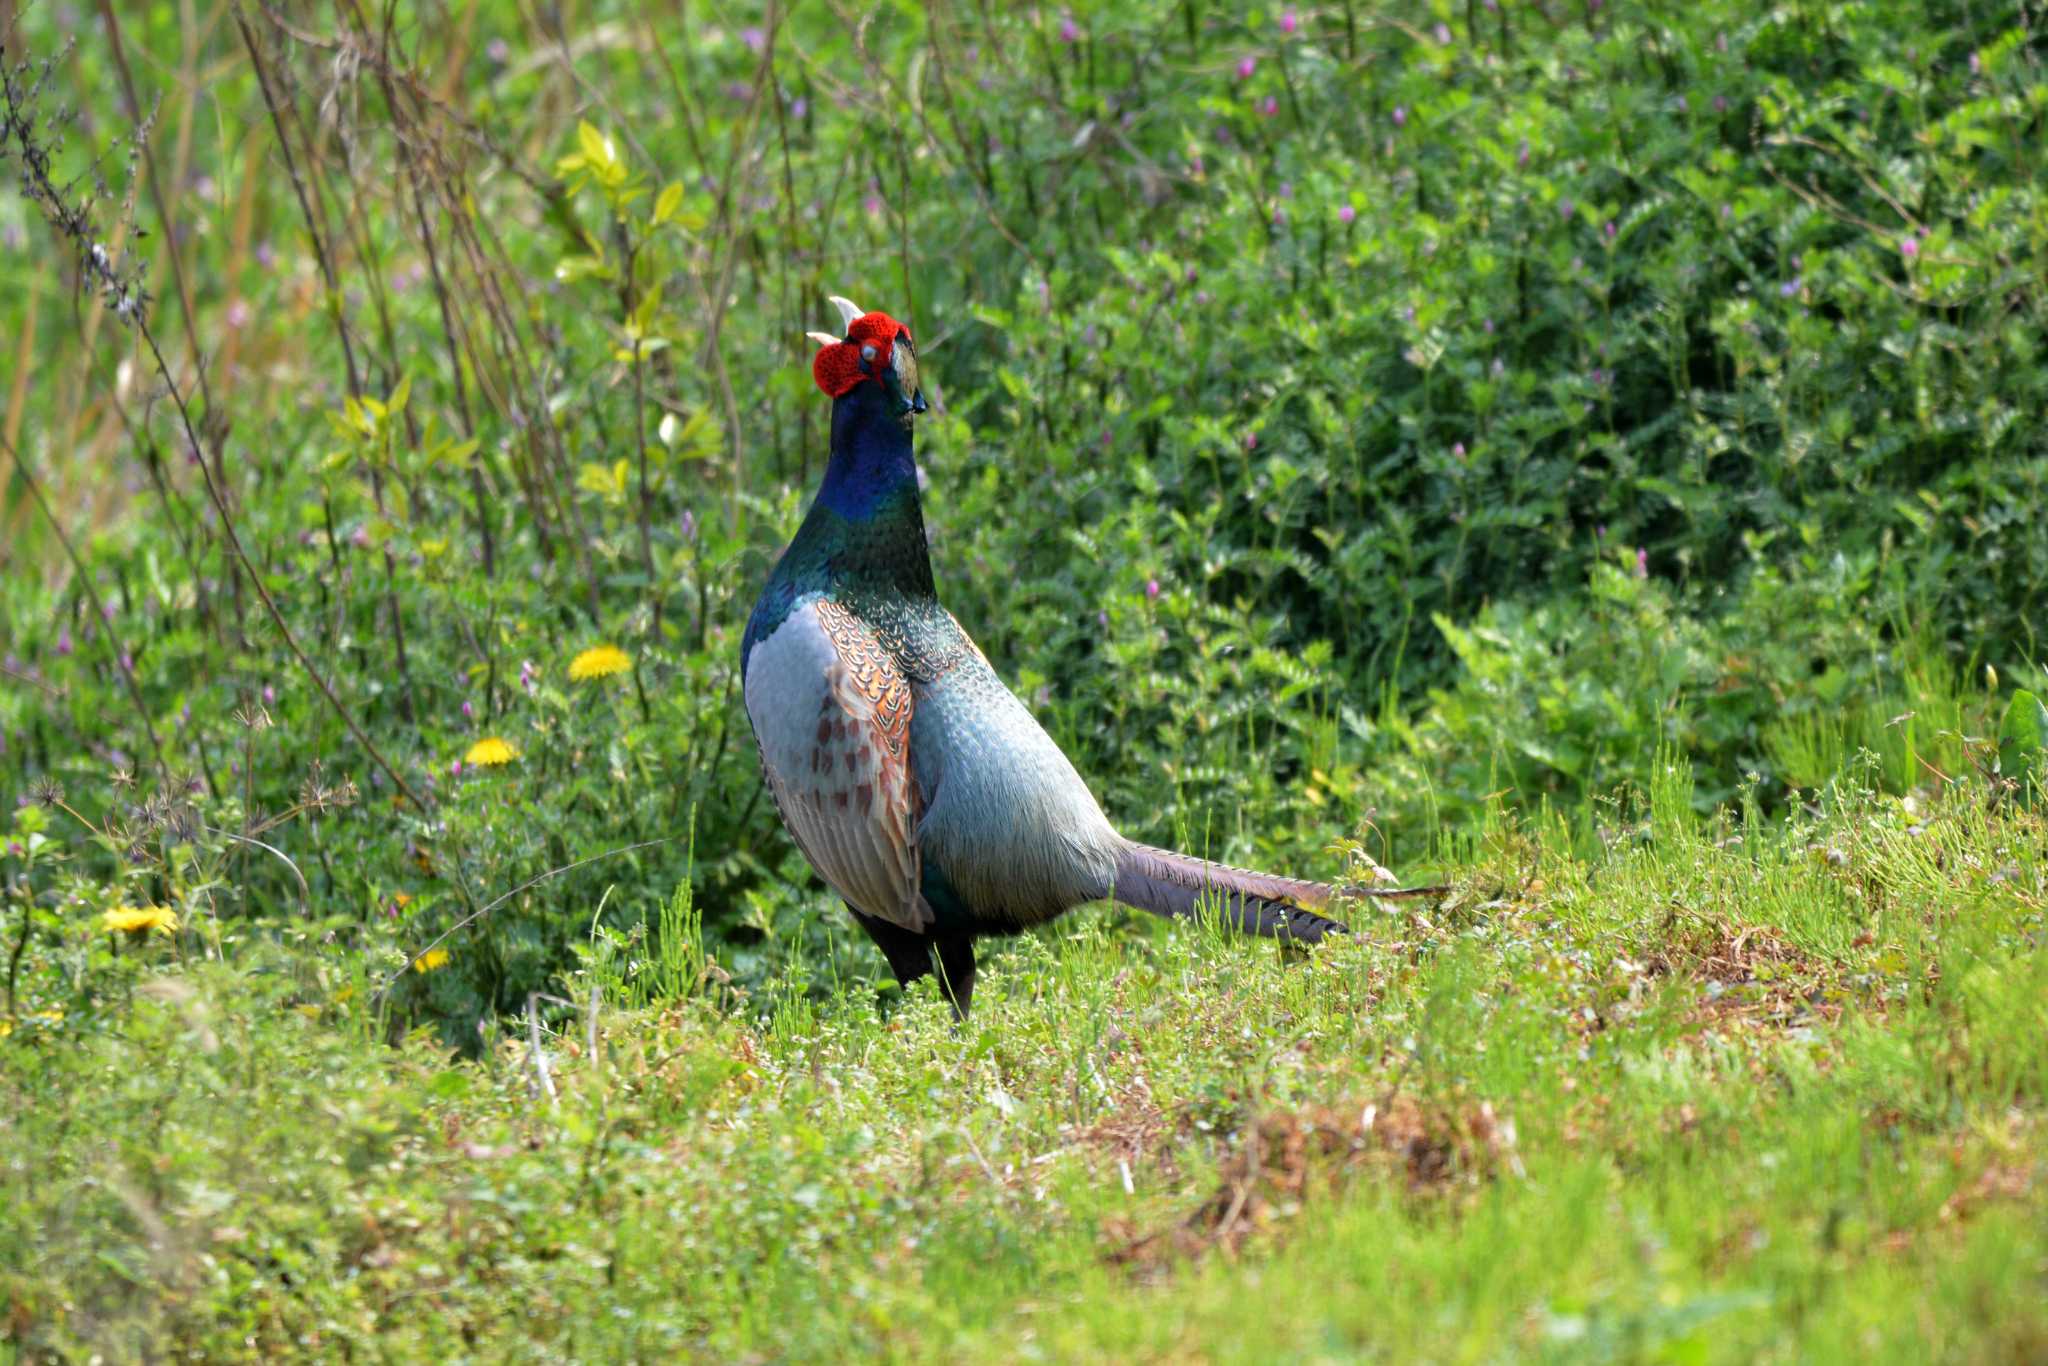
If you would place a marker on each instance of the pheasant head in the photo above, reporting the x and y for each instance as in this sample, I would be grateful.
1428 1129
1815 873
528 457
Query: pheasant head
876 349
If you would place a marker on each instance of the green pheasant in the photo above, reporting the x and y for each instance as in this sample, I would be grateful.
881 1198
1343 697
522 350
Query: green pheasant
916 783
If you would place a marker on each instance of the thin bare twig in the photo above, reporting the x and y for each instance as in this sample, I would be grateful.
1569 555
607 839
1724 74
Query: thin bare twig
535 1052
305 892
156 194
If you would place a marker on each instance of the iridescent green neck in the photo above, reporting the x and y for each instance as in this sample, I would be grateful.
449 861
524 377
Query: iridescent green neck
865 530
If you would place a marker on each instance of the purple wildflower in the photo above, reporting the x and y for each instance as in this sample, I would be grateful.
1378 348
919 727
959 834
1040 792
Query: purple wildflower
1642 563
1246 66
1400 116
269 694
1790 287
1346 214
1270 106
1458 449
1443 35
1069 31
1152 589
1251 441
468 712
64 640
755 39
1289 22
1909 248
1564 208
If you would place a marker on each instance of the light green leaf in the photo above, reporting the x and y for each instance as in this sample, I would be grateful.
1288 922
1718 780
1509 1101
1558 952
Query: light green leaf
670 200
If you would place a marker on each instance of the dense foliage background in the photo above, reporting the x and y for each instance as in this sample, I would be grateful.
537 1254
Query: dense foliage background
1351 420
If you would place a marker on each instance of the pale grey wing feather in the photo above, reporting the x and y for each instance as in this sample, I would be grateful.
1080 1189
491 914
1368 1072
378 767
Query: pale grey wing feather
831 713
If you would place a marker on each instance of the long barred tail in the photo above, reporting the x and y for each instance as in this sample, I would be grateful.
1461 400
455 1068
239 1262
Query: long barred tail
1166 883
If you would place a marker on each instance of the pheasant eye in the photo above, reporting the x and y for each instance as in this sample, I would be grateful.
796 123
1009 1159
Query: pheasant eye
867 351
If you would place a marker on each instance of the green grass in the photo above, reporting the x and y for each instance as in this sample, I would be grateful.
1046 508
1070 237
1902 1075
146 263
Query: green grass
1717 1091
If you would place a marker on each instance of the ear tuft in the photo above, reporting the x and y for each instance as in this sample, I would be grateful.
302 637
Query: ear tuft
848 309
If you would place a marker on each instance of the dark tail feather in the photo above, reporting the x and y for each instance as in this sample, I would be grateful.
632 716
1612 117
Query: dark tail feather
1166 883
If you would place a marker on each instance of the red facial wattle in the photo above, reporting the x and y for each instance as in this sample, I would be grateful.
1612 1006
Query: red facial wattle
838 368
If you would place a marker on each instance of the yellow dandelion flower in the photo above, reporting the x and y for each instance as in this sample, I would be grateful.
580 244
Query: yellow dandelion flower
489 752
430 960
136 919
600 661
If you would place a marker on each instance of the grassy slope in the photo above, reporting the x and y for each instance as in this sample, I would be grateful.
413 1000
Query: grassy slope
1714 1094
